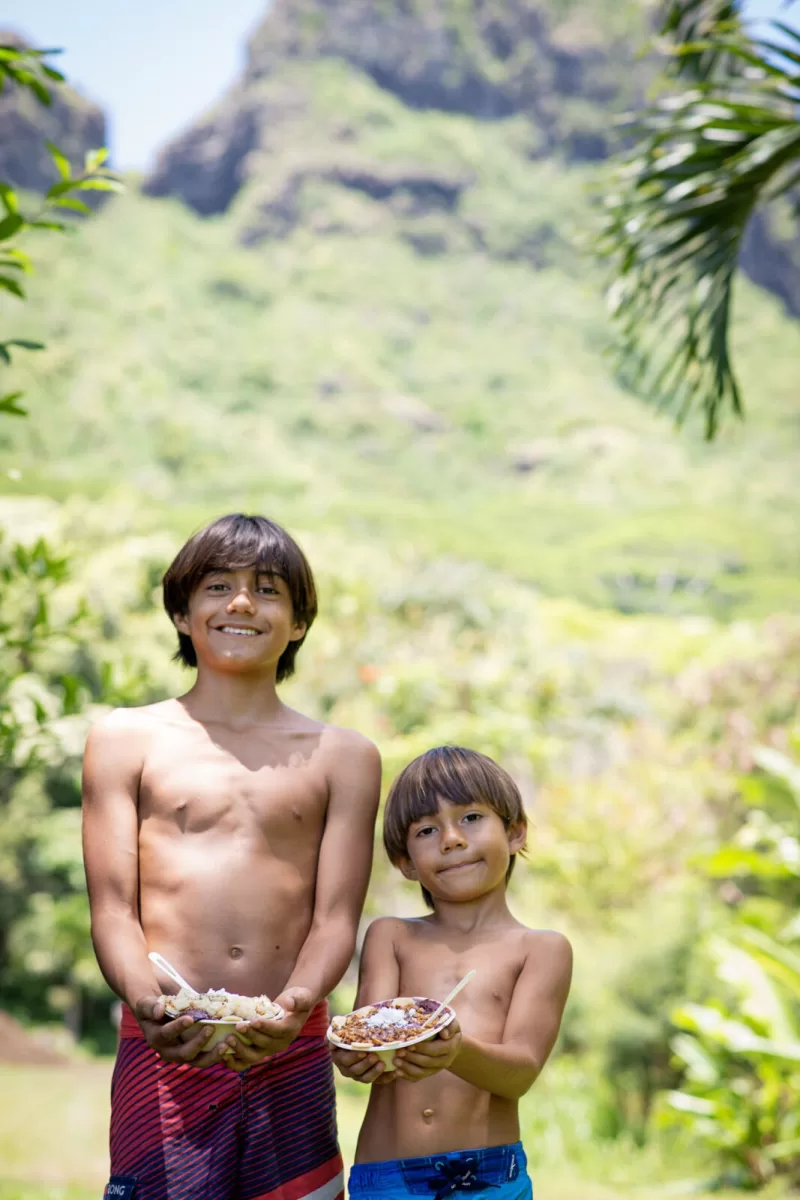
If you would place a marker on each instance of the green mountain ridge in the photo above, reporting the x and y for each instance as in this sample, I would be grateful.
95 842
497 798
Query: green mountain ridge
390 333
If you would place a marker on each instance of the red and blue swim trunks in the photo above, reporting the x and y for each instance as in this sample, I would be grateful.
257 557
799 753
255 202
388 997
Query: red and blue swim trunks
269 1133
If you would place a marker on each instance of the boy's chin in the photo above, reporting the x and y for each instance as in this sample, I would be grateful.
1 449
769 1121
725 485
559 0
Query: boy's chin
236 662
465 894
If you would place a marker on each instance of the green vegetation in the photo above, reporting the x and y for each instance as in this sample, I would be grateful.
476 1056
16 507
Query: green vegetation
512 551
704 159
26 69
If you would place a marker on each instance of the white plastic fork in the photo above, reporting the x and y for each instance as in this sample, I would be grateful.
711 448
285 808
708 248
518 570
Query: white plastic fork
159 961
431 1020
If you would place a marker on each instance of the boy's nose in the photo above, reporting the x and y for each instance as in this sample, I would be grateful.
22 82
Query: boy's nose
452 839
242 602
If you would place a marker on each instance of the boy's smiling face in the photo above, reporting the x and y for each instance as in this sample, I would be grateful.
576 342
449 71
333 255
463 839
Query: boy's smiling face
461 852
240 619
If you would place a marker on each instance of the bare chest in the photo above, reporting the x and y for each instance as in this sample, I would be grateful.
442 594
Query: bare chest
195 784
434 968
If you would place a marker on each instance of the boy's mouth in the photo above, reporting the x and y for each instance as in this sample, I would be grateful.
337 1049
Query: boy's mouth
238 630
455 867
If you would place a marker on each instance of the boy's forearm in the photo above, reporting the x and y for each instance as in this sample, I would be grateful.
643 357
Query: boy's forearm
505 1071
121 951
324 958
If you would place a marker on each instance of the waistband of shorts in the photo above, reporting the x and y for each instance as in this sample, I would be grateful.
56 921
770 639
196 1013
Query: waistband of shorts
315 1026
490 1166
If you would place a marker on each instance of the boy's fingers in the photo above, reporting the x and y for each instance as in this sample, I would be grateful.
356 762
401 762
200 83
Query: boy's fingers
193 1046
418 1055
150 1008
296 1000
413 1073
348 1058
170 1035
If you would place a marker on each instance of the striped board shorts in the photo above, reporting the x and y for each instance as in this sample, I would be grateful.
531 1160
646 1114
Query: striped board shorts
268 1133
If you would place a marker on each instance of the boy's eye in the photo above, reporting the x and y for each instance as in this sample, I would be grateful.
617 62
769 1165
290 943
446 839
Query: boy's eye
426 829
473 817
269 588
217 587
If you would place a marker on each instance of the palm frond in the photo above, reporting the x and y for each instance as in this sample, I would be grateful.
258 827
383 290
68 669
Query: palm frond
681 201
691 31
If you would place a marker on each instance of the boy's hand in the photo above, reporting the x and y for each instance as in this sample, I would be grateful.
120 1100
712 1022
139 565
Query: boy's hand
269 1037
167 1039
361 1066
428 1058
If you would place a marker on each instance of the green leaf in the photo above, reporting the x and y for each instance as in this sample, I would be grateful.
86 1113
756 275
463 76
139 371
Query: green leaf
101 185
94 159
60 189
72 203
8 198
11 285
10 225
60 160
24 344
8 404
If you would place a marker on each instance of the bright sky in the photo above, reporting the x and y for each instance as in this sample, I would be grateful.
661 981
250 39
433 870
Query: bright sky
155 65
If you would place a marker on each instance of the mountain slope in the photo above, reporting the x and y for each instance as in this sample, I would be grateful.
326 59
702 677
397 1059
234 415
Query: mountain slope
453 401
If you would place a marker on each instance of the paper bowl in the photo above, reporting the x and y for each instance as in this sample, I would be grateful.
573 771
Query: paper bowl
387 1050
222 1027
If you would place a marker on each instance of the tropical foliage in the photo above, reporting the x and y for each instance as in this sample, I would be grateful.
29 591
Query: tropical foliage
741 1050
27 68
723 138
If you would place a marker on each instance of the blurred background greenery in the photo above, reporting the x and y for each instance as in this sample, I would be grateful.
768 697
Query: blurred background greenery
356 296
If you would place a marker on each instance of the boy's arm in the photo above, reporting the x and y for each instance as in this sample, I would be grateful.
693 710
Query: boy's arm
378 979
509 1068
343 871
112 767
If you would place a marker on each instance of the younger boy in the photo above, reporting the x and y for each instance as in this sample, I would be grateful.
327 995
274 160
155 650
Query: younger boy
233 836
445 1119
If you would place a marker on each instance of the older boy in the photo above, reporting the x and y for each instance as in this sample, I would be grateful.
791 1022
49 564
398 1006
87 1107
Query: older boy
446 1120
232 835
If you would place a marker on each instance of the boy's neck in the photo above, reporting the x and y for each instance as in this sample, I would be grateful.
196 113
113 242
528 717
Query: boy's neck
232 698
471 915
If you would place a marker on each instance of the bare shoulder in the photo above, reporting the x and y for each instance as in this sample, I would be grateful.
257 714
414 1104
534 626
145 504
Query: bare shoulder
547 950
352 762
337 740
385 929
127 732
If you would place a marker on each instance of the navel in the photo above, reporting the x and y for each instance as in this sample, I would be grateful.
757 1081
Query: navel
236 951
427 1113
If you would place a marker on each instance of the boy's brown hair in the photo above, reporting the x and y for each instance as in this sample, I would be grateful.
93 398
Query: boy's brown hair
458 776
228 544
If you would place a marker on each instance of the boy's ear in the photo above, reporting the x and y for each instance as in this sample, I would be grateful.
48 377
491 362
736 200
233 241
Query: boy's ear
298 630
517 836
408 869
181 622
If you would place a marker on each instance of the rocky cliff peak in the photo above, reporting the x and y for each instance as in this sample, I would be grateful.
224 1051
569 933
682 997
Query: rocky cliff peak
488 59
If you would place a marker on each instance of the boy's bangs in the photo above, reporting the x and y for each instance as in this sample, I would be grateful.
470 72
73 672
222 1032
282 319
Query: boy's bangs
246 546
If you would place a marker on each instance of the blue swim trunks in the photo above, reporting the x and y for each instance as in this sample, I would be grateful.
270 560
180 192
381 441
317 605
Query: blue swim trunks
495 1173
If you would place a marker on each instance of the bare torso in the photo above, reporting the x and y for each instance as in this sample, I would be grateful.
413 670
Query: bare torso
445 1113
230 827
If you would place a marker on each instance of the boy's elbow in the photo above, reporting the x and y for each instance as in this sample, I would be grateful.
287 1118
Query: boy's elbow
524 1080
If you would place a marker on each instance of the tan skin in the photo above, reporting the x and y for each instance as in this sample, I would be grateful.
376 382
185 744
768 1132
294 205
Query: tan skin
228 832
460 1090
